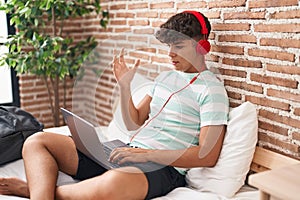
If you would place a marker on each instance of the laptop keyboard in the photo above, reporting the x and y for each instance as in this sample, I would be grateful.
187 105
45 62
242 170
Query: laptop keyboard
107 151
111 145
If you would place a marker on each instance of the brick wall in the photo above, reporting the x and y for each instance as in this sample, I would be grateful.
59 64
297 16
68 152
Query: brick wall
255 48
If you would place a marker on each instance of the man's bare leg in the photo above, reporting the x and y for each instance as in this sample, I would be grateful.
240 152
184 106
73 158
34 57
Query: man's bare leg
44 154
123 183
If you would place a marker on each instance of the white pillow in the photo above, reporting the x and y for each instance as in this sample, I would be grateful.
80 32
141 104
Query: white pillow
229 174
140 86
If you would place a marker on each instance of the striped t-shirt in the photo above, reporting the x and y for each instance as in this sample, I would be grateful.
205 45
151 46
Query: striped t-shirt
203 103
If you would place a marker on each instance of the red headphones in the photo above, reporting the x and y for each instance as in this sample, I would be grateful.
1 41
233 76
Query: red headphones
203 46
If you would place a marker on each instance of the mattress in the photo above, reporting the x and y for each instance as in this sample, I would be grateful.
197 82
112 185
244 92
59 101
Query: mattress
16 169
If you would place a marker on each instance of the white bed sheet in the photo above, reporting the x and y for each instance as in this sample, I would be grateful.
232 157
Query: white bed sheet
16 169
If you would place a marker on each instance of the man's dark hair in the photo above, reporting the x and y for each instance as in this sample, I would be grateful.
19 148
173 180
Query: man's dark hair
181 26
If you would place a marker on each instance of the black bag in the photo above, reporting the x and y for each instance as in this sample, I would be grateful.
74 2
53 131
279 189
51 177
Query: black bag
15 126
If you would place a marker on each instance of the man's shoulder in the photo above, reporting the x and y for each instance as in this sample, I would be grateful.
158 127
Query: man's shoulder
164 74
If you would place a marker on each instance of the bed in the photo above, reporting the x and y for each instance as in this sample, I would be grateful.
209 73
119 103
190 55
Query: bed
245 192
225 181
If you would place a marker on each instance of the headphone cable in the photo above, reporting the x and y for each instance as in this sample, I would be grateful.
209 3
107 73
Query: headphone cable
146 124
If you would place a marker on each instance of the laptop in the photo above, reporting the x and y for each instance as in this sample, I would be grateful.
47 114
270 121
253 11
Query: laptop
87 141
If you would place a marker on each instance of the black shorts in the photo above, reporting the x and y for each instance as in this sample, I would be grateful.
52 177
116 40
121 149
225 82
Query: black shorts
160 181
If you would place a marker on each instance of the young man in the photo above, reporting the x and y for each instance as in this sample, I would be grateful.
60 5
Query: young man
184 118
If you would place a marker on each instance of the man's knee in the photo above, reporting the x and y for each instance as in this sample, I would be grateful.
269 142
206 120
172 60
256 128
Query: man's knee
32 142
110 184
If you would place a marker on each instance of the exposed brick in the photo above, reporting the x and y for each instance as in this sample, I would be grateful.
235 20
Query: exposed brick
296 136
36 90
72 24
137 5
113 37
102 93
146 49
147 15
285 43
244 15
280 118
284 28
242 63
231 27
278 55
213 58
272 3
166 15
138 39
159 59
121 30
116 22
268 102
212 14
284 95
290 14
273 128
191 5
42 96
90 23
101 37
275 141
138 22
125 15
162 5
27 84
233 104
234 95
234 73
293 70
226 3
244 86
27 77
139 55
237 38
212 36
26 98
163 51
144 31
92 16
157 23
91 29
35 102
274 80
297 111
228 49
120 7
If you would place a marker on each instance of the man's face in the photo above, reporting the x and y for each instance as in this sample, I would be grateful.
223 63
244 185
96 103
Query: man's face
183 55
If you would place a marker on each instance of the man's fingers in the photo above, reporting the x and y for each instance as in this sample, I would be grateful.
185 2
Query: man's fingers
136 64
118 60
121 55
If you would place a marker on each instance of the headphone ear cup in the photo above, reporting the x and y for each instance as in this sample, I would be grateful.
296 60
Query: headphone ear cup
203 47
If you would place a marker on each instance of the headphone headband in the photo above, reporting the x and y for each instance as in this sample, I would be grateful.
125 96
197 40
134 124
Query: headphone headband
201 20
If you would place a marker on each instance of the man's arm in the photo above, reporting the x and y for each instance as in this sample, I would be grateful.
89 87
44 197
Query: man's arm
206 154
133 117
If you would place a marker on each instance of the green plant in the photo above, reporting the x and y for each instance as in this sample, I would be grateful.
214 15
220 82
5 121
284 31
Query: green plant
51 54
